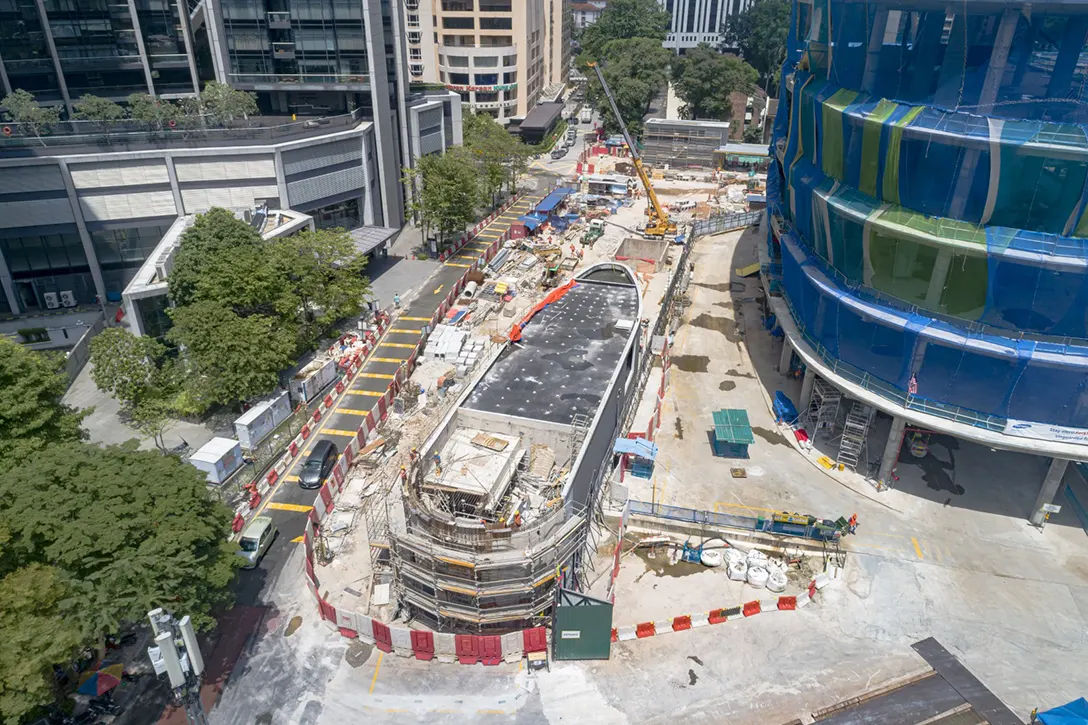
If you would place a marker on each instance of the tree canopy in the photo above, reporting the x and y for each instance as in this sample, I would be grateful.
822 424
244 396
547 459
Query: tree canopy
499 157
125 531
24 109
760 34
624 20
125 365
705 79
448 191
636 70
244 307
31 386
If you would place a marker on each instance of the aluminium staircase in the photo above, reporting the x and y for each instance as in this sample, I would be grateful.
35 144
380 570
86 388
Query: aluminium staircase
854 434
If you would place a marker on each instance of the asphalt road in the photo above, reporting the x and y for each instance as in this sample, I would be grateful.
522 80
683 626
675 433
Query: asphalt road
287 503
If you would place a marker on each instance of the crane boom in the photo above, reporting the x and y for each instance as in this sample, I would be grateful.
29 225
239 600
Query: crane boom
659 224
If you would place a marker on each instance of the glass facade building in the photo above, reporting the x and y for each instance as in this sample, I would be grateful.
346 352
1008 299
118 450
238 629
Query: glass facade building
928 201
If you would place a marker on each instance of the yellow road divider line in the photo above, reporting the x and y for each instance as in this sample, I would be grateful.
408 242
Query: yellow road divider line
370 393
415 319
349 411
335 432
407 331
379 376
289 507
298 539
291 478
386 360
455 264
398 344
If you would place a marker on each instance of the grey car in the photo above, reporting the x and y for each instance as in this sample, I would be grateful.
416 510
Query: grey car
255 540
318 465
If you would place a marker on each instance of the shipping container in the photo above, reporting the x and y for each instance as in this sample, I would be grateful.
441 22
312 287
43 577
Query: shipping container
218 458
308 382
259 421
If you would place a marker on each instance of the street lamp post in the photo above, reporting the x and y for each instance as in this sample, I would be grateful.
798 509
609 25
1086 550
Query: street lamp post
177 653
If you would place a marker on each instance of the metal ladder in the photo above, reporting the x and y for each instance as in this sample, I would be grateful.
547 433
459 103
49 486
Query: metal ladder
855 431
579 428
823 408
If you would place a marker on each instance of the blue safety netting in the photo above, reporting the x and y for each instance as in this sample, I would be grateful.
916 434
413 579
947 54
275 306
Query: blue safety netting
973 373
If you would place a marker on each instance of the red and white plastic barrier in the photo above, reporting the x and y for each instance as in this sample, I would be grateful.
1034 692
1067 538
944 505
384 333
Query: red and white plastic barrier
719 616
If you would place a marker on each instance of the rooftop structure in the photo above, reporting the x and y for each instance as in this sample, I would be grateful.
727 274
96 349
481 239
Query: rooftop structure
683 143
499 501
926 254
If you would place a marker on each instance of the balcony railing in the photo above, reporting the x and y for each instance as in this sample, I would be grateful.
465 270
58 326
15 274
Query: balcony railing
186 132
298 78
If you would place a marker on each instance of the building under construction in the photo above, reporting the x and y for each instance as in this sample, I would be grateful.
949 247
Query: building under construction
496 511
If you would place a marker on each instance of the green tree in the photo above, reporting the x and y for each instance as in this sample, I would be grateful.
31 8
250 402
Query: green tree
155 112
624 20
753 134
37 631
500 159
96 108
325 271
225 104
760 34
448 192
636 70
129 530
31 386
24 109
705 80
230 357
126 366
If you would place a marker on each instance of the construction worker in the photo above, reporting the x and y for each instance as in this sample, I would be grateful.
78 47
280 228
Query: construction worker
413 455
852 525
437 465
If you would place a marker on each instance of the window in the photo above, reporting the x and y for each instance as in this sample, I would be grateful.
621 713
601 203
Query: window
482 97
48 252
459 79
415 54
457 6
486 79
509 60
416 69
495 6
456 61
511 77
413 20
496 23
486 61
459 23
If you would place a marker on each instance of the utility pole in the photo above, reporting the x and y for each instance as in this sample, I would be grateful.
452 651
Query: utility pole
177 653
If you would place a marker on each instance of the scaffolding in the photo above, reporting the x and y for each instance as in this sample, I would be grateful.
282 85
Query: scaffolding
855 433
823 408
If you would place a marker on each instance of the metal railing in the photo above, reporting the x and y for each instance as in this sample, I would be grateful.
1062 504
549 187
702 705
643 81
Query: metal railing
185 131
768 525
724 223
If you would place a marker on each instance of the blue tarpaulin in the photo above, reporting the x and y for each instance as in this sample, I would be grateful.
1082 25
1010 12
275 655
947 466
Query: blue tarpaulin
530 221
554 199
1072 713
637 446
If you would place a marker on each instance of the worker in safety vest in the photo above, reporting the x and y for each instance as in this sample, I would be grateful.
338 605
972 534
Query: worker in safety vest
852 525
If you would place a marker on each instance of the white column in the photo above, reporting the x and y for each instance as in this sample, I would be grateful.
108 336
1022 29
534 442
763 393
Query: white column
807 384
891 450
1053 480
784 360
941 266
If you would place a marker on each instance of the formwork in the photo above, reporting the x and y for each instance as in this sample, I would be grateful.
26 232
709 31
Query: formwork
645 255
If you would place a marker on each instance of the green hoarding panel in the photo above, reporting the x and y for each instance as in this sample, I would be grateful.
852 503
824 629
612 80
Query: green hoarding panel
581 627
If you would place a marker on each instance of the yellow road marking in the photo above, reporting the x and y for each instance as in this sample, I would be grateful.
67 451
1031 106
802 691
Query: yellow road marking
298 539
289 507
348 411
727 504
377 669
455 264
438 288
291 478
415 319
386 360
408 345
370 393
335 432
917 548
491 712
379 376
408 331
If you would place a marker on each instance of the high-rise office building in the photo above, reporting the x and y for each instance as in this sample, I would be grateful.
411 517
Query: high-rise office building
698 21
79 211
501 56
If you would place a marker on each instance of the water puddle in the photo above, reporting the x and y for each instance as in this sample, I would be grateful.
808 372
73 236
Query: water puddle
771 436
691 363
727 385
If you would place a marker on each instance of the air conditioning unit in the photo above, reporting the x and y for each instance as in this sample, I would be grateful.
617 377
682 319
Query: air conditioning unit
51 301
68 298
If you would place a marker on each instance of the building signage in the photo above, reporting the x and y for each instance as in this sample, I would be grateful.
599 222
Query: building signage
1046 432
571 634
482 89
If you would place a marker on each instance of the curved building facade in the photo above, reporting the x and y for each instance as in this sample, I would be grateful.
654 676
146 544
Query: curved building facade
928 203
